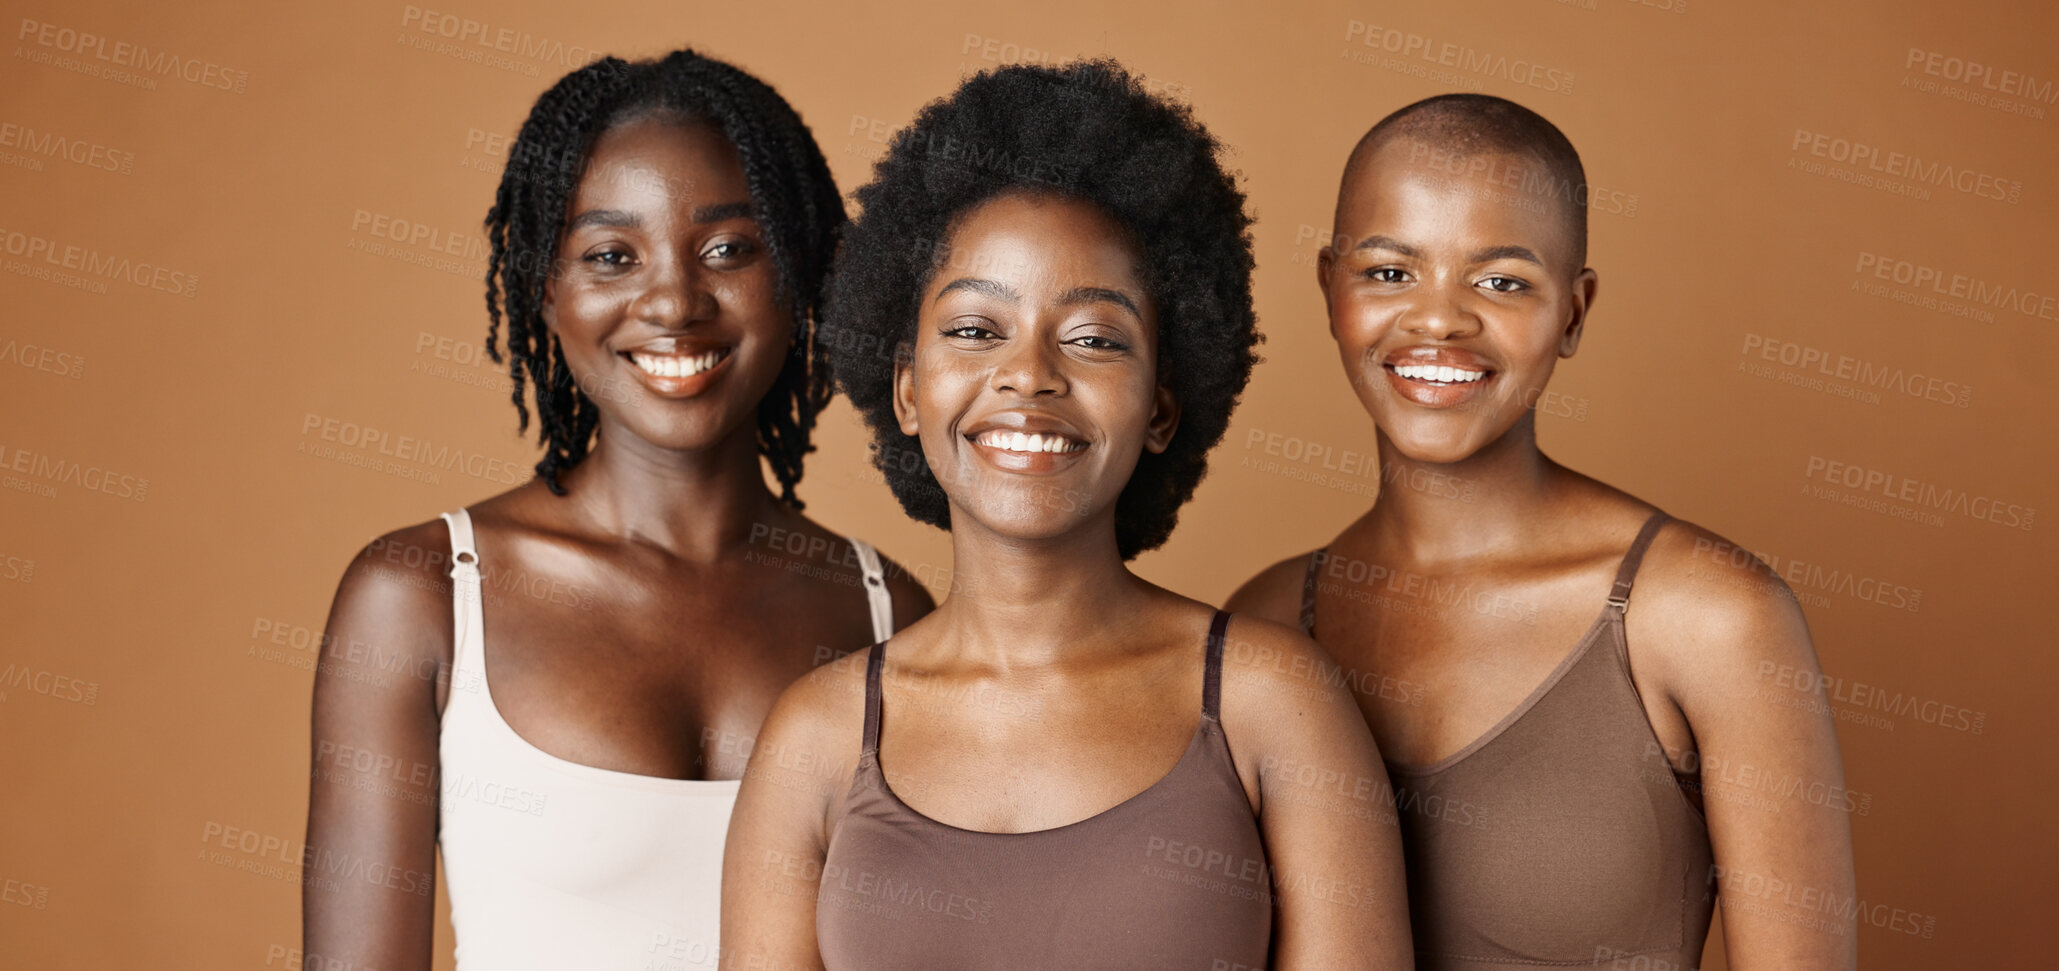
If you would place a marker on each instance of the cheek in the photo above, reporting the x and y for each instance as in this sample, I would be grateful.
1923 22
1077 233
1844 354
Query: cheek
583 306
754 296
941 389
1357 320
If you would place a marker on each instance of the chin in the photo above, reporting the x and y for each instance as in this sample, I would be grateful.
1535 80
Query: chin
1030 513
1434 449
676 433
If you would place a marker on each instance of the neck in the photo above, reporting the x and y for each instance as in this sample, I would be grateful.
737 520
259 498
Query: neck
1025 603
697 504
1493 499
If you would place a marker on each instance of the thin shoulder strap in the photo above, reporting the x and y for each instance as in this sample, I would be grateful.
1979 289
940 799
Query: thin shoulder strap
872 669
1315 563
1626 574
876 594
467 611
1212 671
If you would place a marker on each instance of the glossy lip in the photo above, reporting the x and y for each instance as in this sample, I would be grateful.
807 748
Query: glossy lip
1028 423
679 387
1433 394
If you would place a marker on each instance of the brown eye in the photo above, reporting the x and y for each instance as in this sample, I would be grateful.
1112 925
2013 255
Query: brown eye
732 249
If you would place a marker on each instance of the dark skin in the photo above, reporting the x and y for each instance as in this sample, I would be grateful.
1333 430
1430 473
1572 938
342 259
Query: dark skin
631 624
1054 683
1440 274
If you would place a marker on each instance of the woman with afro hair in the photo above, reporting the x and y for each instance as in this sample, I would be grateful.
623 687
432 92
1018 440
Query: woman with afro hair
1044 315
558 686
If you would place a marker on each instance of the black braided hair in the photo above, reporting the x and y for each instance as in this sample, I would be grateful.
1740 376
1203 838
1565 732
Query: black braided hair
795 201
1087 131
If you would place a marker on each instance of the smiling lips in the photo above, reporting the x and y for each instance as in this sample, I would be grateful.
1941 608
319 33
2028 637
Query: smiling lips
1019 442
1437 377
676 365
1025 444
670 370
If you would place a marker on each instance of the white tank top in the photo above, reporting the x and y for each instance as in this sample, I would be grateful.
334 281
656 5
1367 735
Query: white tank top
554 865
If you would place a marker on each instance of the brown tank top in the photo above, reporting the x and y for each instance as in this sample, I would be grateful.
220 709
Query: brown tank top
1560 837
1174 877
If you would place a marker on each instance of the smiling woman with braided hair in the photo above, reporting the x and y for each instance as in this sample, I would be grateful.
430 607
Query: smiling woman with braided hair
659 238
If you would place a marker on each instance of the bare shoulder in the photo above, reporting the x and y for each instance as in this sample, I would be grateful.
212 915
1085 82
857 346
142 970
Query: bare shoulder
812 738
1276 680
1706 613
392 613
1274 594
400 578
1695 580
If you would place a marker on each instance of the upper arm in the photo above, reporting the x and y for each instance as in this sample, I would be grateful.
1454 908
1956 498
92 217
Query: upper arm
1733 653
372 791
1274 594
1325 808
779 833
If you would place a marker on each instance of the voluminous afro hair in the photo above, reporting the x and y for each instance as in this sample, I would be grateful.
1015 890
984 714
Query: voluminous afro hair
793 198
1085 131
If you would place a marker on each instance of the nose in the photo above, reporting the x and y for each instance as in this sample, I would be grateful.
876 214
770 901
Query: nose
1440 313
1030 365
676 294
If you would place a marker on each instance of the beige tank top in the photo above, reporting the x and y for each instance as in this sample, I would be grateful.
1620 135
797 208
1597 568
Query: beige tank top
1561 837
554 865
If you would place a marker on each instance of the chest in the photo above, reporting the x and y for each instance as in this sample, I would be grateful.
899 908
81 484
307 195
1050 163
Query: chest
1436 661
1013 758
662 673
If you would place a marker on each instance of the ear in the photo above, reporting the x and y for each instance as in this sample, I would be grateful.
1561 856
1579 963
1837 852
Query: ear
904 389
1584 287
1165 420
549 310
1325 261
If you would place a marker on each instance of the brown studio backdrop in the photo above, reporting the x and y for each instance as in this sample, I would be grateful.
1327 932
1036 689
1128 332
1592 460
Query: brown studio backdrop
167 506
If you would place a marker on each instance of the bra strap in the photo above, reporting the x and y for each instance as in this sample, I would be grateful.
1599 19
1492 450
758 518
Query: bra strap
876 595
1619 597
1315 563
468 612
1212 671
872 669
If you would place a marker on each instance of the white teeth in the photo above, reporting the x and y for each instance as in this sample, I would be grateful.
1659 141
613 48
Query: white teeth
675 365
1019 442
1433 372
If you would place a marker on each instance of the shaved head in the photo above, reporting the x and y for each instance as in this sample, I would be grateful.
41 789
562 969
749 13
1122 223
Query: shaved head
1477 126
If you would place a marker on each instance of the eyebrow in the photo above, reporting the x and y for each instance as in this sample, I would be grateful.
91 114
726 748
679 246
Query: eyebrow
1078 295
991 288
1508 252
1387 242
721 211
603 217
623 218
